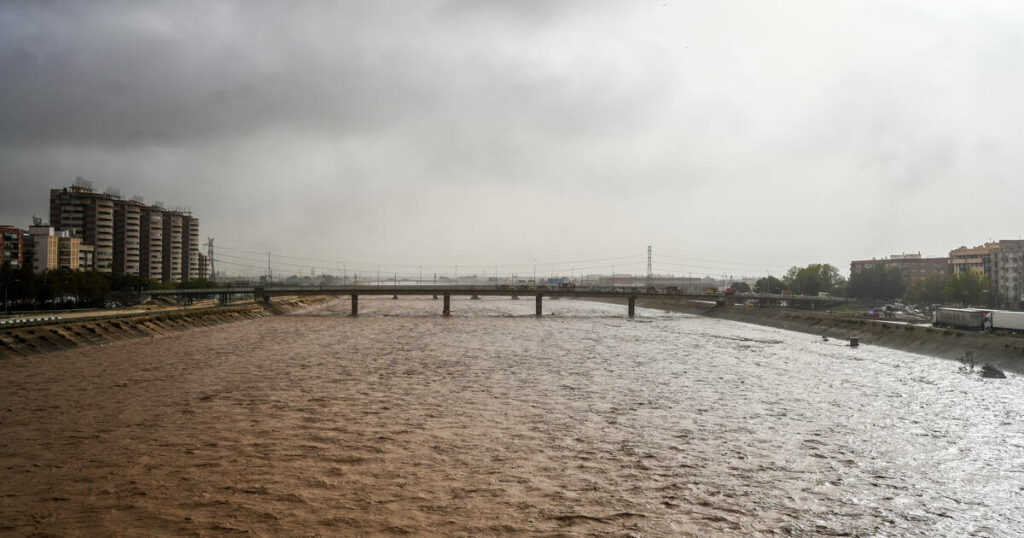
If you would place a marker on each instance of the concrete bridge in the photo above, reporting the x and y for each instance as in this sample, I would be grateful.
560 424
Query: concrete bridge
538 292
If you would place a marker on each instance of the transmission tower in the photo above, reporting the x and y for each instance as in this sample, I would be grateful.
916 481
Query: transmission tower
209 255
650 273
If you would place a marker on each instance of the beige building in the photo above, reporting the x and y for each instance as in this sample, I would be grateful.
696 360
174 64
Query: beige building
979 259
55 250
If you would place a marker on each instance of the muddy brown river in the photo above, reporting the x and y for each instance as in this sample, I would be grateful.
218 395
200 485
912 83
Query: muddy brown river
493 422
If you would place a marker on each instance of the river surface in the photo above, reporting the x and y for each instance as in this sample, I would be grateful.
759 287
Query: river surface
493 422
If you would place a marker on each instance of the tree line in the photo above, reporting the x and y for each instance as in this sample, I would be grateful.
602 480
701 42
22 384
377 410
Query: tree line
56 289
878 283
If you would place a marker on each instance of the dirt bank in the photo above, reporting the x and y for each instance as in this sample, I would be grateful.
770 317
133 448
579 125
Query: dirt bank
58 336
1005 352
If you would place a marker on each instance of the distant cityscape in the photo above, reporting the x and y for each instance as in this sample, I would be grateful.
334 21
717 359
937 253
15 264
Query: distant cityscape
1000 262
108 233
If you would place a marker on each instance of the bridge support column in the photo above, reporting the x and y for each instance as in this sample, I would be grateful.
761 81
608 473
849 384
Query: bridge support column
355 305
632 306
223 298
447 305
540 304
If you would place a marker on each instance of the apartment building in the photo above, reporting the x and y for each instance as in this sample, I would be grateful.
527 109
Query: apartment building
914 266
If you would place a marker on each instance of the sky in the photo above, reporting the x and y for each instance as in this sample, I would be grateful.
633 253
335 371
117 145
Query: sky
733 137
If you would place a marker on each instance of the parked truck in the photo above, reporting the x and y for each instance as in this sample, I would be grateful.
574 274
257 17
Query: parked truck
1007 320
962 318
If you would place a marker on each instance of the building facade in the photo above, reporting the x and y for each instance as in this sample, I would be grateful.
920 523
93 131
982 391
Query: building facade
980 259
172 247
151 243
127 237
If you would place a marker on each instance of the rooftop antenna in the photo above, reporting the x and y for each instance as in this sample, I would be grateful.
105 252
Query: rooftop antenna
82 184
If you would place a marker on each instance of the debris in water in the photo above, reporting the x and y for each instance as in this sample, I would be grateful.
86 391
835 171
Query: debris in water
992 372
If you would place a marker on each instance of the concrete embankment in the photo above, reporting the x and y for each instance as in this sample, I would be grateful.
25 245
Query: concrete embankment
50 337
1004 352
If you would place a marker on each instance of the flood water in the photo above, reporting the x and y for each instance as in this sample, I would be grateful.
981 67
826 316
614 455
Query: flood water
493 422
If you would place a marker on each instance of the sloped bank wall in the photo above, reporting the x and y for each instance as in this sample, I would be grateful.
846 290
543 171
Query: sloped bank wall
47 338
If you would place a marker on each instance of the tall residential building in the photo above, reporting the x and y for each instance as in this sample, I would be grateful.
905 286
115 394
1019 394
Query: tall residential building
190 248
12 247
87 215
151 243
127 236
172 246
914 267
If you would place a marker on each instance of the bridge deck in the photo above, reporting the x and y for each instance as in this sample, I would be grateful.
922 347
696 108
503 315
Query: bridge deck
489 291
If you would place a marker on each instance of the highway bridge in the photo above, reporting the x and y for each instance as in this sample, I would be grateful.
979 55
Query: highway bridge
265 294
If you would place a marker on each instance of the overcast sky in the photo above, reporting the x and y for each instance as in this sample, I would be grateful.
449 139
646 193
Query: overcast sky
733 137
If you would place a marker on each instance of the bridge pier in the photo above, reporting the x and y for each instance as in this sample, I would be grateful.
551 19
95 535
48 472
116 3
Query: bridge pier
515 297
632 306
540 304
447 305
355 305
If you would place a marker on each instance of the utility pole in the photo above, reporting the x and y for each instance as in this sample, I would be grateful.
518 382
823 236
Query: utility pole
270 274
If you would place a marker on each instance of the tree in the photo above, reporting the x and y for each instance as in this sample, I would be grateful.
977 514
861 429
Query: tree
927 290
815 278
740 287
877 282
769 284
966 288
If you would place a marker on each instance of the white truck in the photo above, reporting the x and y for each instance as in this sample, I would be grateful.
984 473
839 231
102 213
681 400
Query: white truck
1007 320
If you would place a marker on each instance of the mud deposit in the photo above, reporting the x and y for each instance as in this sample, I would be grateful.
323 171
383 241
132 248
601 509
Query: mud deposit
493 422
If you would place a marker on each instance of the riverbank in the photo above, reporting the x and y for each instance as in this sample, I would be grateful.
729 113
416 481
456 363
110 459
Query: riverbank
42 338
1004 352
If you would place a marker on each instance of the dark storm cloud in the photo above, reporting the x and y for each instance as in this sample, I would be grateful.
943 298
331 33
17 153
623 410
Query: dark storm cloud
179 73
